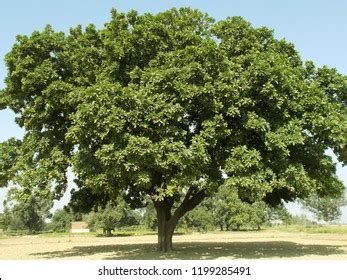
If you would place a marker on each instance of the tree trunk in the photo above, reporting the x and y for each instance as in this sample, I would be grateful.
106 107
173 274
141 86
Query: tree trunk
167 221
166 226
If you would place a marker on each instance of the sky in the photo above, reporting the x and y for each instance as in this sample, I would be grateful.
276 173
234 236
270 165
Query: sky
317 28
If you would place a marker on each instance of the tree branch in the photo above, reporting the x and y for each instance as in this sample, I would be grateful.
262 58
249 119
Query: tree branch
189 203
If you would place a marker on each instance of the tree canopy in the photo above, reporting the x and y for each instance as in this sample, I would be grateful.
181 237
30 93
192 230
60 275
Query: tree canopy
172 106
25 212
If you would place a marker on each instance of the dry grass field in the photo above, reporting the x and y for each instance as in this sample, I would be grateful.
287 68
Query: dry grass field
265 244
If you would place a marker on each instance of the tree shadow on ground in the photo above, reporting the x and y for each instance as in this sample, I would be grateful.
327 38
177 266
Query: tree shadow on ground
198 250
116 235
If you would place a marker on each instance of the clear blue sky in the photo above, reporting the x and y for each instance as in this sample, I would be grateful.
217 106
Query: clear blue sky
318 29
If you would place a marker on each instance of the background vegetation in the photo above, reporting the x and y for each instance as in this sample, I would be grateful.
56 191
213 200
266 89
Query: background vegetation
224 212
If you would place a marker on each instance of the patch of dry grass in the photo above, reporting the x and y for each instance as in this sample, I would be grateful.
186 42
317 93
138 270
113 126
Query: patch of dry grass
269 244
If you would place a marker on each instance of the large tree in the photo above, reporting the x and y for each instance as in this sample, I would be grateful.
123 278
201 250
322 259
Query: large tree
171 106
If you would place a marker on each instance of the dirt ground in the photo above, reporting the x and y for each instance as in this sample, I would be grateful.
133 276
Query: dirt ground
231 245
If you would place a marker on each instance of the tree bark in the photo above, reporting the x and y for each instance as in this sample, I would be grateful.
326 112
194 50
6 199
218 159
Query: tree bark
166 226
167 221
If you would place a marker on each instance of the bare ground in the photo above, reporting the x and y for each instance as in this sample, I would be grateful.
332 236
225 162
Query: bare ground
230 245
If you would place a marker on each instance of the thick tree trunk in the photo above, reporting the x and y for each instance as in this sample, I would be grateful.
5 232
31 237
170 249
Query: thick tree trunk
165 233
166 225
167 221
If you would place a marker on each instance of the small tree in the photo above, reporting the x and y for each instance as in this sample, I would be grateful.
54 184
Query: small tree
61 221
107 219
111 216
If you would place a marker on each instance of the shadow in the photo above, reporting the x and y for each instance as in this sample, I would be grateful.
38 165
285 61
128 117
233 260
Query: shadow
116 235
254 250
198 250
127 234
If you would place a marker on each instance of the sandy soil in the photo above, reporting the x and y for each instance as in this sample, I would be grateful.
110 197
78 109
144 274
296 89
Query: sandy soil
233 245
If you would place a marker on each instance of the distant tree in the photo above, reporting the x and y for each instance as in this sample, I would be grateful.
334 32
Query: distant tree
1 220
149 218
224 211
241 217
230 211
26 211
5 220
61 221
12 221
112 216
106 218
226 204
259 214
200 218
325 208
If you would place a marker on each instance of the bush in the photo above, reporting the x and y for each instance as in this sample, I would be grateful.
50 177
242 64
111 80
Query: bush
61 221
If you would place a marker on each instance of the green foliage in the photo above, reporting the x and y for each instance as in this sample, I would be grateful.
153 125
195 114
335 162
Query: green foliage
325 208
61 221
25 214
163 105
84 200
120 215
149 218
259 215
5 220
8 152
2 221
225 211
106 219
201 218
226 204
230 212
